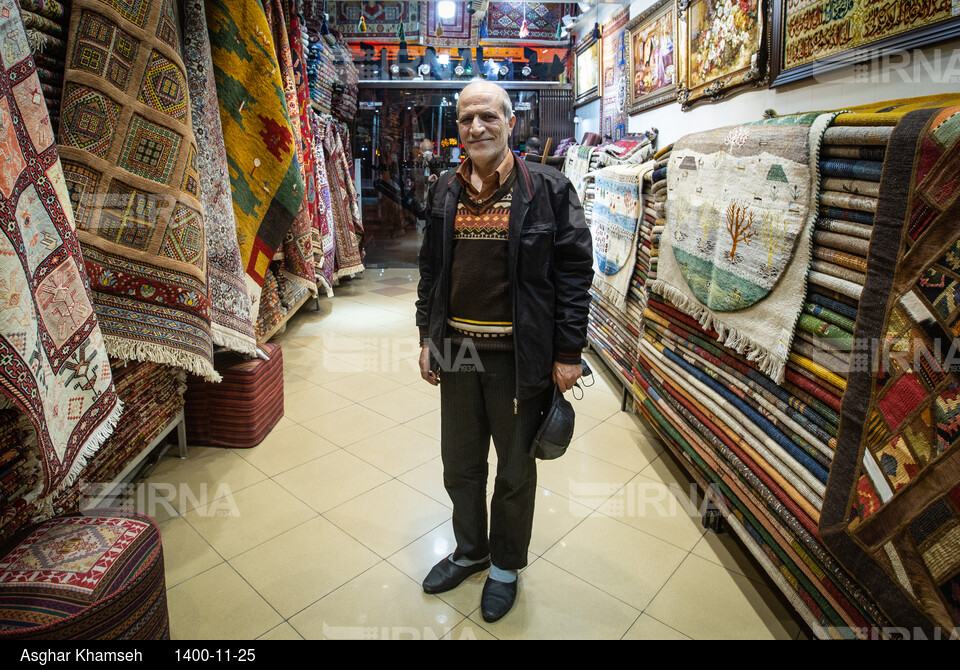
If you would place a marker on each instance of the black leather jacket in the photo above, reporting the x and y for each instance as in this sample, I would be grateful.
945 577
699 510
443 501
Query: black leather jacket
551 268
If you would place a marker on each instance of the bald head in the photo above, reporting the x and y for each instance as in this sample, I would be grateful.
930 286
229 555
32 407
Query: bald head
488 87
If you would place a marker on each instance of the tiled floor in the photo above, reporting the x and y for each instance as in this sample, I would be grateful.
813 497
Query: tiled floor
327 528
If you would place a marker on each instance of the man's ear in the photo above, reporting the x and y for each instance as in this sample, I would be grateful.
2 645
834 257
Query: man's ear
513 122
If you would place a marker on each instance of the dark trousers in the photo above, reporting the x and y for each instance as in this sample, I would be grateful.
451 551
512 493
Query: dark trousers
477 403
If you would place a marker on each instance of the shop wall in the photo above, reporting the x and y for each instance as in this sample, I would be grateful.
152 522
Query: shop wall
930 71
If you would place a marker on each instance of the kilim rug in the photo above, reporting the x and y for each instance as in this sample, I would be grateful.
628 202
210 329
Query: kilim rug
504 20
460 30
343 200
382 20
297 265
130 159
613 78
616 214
231 319
891 511
741 207
577 165
53 362
325 251
86 577
266 183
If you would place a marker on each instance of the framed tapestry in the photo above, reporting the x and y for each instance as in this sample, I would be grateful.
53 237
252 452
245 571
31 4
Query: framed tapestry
587 75
723 46
652 57
613 77
814 37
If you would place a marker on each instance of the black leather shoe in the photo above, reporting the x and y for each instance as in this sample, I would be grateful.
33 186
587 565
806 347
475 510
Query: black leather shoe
497 599
447 575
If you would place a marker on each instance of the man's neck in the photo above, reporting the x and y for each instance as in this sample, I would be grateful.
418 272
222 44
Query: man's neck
482 171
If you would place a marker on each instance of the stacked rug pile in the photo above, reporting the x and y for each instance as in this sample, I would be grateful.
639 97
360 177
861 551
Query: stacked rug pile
346 92
630 149
272 309
321 72
615 224
20 471
45 22
839 468
152 396
651 227
579 165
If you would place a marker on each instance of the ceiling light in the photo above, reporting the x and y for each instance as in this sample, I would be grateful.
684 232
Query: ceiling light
446 9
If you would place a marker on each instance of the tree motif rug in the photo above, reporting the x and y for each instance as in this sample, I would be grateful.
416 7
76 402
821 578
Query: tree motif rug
741 205
231 319
891 511
53 363
130 159
265 178
615 225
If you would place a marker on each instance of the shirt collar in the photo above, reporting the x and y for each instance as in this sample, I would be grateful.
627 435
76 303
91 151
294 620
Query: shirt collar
492 182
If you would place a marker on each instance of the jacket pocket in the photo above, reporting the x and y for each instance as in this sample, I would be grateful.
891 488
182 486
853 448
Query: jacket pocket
536 252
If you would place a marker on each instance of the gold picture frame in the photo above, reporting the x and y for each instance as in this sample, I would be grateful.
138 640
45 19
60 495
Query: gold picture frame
723 46
587 72
652 57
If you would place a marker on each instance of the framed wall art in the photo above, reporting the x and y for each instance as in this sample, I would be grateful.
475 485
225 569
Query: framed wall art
723 46
587 73
613 77
814 37
652 57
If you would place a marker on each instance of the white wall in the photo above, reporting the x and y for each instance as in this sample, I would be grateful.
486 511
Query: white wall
931 71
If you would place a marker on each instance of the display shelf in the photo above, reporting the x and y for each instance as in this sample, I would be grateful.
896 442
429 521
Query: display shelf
108 497
627 397
283 322
745 539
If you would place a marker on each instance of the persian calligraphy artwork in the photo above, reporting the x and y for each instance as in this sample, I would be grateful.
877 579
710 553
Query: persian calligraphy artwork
814 35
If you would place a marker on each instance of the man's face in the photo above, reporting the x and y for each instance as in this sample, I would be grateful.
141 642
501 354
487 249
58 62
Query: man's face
483 128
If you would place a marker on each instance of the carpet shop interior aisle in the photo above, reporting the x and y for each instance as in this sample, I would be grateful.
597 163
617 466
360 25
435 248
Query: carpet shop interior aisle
327 528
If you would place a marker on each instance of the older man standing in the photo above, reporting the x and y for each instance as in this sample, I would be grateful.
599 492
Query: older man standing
505 272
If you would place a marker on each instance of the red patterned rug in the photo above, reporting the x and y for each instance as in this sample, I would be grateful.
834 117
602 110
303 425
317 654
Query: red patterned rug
53 363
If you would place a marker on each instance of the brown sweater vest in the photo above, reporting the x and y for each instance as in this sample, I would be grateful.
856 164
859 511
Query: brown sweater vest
480 303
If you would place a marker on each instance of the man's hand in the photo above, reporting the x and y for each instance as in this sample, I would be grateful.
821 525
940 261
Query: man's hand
565 375
429 375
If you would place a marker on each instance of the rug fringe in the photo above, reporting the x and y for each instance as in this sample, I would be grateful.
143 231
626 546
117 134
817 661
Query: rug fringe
92 446
231 339
327 287
348 272
609 292
152 353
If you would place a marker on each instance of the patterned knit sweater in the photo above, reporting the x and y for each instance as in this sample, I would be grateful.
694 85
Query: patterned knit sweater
480 303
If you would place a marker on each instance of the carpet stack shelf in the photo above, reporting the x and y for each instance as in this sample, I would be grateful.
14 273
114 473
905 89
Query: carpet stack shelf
784 460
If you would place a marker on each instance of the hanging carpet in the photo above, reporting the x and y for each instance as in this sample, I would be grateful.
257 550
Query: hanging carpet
741 207
265 178
130 160
54 363
232 321
504 20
